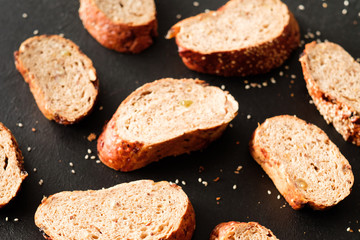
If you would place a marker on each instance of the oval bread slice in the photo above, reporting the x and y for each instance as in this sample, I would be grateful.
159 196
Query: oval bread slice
136 210
333 80
12 172
305 166
61 78
241 230
241 38
121 25
164 118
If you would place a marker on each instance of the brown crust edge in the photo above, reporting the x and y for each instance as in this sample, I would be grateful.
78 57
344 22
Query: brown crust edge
117 36
19 158
39 95
253 60
126 156
343 117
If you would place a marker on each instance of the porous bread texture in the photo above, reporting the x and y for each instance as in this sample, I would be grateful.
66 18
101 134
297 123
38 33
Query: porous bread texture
333 80
163 118
61 78
305 166
122 25
241 230
241 38
137 210
12 172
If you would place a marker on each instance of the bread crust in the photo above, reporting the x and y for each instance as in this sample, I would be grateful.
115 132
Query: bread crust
252 60
279 176
224 231
125 156
19 159
343 117
120 37
39 94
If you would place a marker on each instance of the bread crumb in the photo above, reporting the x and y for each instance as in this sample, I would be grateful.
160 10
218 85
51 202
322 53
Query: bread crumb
86 156
24 15
16 219
269 192
178 16
196 4
41 182
91 137
29 149
20 125
101 108
324 5
230 125
183 183
346 3
36 32
201 169
344 11
33 129
301 7
318 33
234 187
97 161
349 230
248 116
72 171
216 179
291 94
237 142
34 169
71 164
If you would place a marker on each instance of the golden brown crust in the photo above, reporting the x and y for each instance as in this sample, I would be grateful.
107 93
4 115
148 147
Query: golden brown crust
19 158
117 36
343 117
247 61
39 94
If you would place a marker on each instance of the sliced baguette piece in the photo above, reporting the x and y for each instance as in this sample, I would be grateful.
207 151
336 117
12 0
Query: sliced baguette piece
304 164
122 25
241 230
241 38
61 77
167 117
333 80
12 172
137 210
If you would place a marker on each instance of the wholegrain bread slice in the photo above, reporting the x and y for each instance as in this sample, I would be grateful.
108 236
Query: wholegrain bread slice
304 164
61 78
164 118
241 38
121 25
333 80
136 210
241 230
12 172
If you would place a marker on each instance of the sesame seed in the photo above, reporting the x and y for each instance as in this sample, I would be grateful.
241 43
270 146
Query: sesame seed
71 164
178 16
24 15
34 169
199 180
359 14
239 168
318 33
62 35
16 219
272 80
358 60
86 156
33 129
234 187
346 3
311 35
89 151
301 7
7 219
196 4
36 32
248 116
41 182
324 5
349 229
265 84
287 67
344 11
293 76
98 161
278 197
281 73
246 81
207 10
247 86
20 125
177 181
29 149
92 157
269 192
223 87
205 183
73 171
183 182
311 101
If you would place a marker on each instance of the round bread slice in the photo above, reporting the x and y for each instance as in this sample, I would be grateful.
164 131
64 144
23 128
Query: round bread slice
241 38
241 230
122 25
61 78
164 118
305 166
333 80
12 172
136 210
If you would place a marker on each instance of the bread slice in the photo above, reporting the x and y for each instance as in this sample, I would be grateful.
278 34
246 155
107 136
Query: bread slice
241 230
12 172
333 80
241 38
61 78
136 210
305 166
164 118
121 25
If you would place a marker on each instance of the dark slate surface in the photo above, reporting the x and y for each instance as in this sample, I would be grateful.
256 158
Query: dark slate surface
55 146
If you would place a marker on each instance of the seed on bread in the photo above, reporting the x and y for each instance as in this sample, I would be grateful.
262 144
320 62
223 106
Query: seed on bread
305 166
167 117
241 38
136 210
61 78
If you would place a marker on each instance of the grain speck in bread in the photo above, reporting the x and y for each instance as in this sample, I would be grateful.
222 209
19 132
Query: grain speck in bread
121 25
167 117
241 230
12 172
136 210
61 78
333 80
241 38
304 164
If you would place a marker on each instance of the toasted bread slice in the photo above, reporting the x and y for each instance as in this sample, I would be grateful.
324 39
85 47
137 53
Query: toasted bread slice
241 38
333 80
124 26
12 172
136 210
305 166
241 230
164 118
61 78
